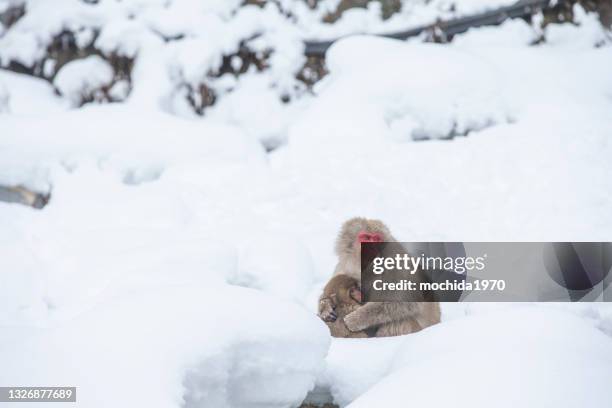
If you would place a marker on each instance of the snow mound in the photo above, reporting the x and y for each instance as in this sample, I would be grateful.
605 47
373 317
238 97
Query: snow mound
419 92
85 80
553 358
193 346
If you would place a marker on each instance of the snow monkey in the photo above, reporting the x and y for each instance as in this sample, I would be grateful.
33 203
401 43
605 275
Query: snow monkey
340 297
390 318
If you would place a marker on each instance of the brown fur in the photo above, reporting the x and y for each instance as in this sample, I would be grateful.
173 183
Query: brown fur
336 302
390 318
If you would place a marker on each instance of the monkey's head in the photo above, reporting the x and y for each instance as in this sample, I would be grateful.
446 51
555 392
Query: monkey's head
344 290
358 230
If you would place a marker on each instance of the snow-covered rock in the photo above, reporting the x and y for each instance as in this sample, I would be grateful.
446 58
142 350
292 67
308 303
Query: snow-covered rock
85 80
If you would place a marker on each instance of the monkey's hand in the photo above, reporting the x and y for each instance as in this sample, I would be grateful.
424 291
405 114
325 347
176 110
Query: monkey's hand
327 312
369 315
355 322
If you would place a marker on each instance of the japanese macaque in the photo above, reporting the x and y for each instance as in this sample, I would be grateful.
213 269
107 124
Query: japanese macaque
340 297
388 318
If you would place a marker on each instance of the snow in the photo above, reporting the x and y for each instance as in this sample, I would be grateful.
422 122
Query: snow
565 363
414 13
27 40
22 88
468 85
513 171
513 33
465 7
5 98
591 33
179 260
289 276
220 351
154 146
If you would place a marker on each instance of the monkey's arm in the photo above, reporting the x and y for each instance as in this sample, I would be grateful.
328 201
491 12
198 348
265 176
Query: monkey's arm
377 313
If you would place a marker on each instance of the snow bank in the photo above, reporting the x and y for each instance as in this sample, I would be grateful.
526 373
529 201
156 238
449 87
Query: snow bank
420 91
84 80
127 141
533 355
513 170
173 346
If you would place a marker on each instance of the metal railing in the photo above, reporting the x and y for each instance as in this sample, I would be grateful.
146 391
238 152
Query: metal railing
523 8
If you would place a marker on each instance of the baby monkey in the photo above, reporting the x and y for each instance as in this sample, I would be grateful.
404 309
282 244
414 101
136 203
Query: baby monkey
340 297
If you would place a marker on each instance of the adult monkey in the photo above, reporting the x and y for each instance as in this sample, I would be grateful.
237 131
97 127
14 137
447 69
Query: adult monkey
396 317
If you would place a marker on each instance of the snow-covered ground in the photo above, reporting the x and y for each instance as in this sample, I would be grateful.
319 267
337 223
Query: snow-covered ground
178 263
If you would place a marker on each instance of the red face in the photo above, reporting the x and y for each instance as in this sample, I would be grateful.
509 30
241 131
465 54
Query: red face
365 236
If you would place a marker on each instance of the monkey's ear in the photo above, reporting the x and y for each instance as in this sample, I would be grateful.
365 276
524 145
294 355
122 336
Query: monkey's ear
355 293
